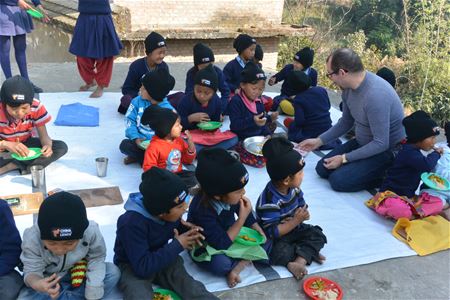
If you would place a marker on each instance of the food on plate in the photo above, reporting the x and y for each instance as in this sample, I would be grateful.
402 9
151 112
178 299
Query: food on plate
247 238
440 183
158 296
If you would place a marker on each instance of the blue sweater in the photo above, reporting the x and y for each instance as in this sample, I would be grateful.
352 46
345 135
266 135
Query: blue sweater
215 225
312 114
142 240
403 177
190 105
241 119
138 68
9 240
223 86
273 207
94 7
232 72
134 129
14 2
286 88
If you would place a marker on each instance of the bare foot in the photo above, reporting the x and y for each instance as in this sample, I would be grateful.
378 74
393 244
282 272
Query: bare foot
86 87
445 213
321 259
233 277
298 267
8 167
97 93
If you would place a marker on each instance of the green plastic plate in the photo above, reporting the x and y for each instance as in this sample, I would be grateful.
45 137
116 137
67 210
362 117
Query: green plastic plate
167 292
211 125
35 13
144 144
37 153
444 186
257 238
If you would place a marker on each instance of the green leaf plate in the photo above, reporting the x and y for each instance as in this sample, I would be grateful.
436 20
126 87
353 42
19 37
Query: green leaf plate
35 153
257 238
167 292
211 125
35 13
144 144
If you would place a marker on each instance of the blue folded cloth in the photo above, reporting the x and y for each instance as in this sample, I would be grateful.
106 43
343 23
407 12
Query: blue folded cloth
77 114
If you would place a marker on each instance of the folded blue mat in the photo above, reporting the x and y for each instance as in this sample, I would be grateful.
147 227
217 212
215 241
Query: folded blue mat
77 114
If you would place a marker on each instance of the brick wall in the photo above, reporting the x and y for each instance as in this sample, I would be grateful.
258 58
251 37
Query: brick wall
148 14
223 49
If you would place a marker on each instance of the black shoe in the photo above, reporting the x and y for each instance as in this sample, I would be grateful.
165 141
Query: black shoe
37 90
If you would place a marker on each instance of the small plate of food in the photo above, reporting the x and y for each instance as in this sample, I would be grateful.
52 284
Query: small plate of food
254 144
321 288
33 153
249 237
163 294
435 181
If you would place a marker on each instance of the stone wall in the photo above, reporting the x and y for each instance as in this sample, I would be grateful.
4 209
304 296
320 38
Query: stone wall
157 14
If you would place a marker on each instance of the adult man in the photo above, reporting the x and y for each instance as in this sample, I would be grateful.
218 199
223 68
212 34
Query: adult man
374 108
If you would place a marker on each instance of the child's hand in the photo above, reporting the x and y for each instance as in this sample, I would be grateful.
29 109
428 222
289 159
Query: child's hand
259 229
48 285
47 151
190 141
274 116
190 225
46 19
272 81
198 117
301 214
260 120
190 238
16 147
245 207
439 150
23 5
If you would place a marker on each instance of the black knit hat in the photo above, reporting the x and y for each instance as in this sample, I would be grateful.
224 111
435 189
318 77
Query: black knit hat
259 53
219 173
16 91
158 83
305 57
419 126
242 42
299 81
252 73
207 77
162 190
202 54
282 159
154 41
159 119
62 216
388 75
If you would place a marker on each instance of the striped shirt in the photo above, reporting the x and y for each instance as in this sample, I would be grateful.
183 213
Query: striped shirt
21 130
273 207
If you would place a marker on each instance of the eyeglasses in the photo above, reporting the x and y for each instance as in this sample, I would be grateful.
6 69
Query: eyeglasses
331 73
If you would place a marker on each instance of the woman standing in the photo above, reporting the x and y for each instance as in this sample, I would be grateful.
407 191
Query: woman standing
95 43
16 23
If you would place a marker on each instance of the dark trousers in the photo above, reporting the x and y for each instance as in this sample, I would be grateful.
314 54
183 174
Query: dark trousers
174 277
10 285
305 241
129 148
363 174
59 149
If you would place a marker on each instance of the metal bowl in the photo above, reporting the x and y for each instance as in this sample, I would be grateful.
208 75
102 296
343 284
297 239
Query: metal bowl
254 144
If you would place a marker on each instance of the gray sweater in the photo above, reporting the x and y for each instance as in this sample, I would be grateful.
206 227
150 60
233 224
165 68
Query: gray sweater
377 113
38 260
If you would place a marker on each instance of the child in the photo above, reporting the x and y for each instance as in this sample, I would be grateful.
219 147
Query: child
259 55
443 170
167 150
312 110
246 110
222 180
155 50
15 23
203 57
20 115
201 105
281 210
63 237
10 280
150 236
303 61
396 198
95 43
154 89
245 46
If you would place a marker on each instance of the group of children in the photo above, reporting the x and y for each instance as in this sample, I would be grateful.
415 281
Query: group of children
63 255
